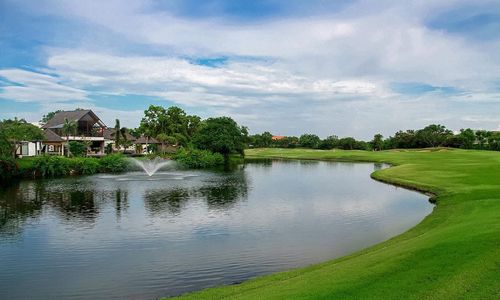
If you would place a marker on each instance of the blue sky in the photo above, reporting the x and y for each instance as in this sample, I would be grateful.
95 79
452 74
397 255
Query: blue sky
327 67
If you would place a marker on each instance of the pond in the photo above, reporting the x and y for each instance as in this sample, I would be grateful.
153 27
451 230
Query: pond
130 236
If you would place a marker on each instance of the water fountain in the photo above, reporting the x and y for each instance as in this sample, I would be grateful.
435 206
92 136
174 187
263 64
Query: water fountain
151 166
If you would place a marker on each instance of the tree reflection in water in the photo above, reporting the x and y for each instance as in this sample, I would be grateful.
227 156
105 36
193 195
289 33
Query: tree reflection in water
78 201
220 192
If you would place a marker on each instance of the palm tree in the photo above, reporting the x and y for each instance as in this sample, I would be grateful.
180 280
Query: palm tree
120 135
69 127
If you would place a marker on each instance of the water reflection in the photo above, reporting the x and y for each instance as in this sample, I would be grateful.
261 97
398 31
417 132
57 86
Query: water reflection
81 200
134 236
18 203
219 192
171 201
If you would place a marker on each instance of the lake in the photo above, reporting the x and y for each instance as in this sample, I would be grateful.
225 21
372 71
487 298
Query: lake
130 236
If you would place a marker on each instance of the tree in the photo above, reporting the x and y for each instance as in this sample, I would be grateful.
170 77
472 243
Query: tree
466 138
266 139
166 139
309 141
222 135
433 135
193 124
121 138
14 131
347 143
329 143
287 142
482 138
154 121
77 148
377 142
69 128
403 139
172 122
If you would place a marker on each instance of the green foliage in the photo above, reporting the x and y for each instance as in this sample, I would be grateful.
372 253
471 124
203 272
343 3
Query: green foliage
166 139
13 131
51 166
113 163
8 168
378 142
309 141
198 159
221 135
85 165
350 143
5 146
121 135
263 140
159 122
69 128
329 143
287 142
77 148
433 135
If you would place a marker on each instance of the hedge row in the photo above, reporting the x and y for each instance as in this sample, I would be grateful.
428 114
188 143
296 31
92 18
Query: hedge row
53 166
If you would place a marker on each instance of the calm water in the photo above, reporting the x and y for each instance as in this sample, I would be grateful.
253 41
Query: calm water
130 236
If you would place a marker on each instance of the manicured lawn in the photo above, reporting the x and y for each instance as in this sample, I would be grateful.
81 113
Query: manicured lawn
454 253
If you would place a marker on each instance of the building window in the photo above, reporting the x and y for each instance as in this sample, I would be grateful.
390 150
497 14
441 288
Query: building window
51 148
24 149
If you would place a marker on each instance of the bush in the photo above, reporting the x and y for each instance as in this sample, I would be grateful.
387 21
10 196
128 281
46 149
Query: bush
77 148
52 166
112 163
198 159
8 169
85 165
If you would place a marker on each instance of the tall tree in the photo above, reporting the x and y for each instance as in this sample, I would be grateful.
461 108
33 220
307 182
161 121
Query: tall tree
69 128
433 135
222 135
377 142
309 141
120 133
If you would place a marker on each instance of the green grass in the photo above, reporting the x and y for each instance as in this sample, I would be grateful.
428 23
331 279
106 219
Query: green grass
454 253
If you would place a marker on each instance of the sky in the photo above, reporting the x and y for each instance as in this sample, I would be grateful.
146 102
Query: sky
349 68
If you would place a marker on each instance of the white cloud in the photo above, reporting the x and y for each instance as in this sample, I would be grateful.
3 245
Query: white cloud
32 86
327 74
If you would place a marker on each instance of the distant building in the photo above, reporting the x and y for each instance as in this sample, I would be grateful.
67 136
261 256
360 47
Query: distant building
278 137
89 129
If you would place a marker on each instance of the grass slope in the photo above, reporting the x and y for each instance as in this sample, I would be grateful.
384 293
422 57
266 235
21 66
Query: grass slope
454 253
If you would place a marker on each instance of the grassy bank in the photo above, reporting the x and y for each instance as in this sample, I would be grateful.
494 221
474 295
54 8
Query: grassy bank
454 253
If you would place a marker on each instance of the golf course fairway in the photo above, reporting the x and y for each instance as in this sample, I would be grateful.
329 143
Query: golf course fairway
454 253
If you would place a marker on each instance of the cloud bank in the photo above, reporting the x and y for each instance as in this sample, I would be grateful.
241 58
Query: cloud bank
357 69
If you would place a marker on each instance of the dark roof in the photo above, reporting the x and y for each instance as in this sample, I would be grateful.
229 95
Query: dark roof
51 136
74 115
146 140
109 134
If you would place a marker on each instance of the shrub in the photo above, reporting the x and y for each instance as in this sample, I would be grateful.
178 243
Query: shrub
8 168
85 165
77 148
199 159
113 163
52 165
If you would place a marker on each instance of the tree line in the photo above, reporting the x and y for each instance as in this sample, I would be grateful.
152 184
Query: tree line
434 135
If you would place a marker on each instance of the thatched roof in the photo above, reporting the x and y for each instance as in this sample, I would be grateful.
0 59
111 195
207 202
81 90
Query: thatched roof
74 115
51 136
146 140
109 134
